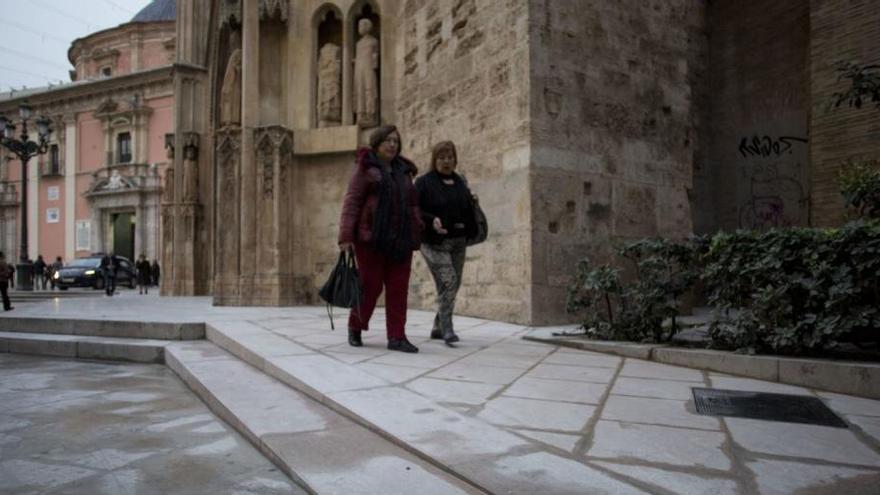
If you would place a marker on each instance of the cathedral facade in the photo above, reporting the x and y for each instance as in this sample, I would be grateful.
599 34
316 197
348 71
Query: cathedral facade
579 125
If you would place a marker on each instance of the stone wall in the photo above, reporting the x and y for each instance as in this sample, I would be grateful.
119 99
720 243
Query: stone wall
612 132
840 30
757 104
462 72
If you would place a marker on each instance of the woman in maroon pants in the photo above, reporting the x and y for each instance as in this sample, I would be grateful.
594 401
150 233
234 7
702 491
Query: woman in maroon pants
381 222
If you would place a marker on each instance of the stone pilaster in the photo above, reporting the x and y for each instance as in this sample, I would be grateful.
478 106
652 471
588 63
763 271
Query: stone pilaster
250 115
227 160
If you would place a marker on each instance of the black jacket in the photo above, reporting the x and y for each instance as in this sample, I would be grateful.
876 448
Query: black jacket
453 204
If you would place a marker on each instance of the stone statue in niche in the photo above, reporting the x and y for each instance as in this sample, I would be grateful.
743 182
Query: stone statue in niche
168 190
329 90
230 91
190 174
366 83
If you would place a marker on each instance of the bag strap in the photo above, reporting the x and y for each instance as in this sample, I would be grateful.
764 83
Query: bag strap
330 315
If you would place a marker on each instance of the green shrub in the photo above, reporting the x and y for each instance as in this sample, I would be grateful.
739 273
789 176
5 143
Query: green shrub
794 291
860 187
787 291
634 310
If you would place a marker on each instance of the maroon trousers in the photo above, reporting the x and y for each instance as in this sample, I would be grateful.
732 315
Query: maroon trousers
376 271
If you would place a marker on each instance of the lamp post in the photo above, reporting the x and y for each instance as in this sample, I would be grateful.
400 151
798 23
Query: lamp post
25 149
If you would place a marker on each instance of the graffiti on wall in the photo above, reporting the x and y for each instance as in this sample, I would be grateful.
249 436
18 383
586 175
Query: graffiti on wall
772 174
766 146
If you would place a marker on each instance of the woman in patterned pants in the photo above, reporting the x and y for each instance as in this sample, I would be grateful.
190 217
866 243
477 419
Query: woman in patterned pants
447 212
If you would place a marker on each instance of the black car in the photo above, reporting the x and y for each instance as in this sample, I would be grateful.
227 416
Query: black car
86 272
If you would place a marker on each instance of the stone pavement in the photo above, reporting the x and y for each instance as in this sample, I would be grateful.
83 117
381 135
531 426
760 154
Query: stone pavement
509 416
77 427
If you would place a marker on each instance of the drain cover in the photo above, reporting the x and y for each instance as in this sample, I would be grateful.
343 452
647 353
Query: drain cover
769 407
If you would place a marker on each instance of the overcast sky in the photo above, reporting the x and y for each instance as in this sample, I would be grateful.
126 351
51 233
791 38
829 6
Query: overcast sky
36 34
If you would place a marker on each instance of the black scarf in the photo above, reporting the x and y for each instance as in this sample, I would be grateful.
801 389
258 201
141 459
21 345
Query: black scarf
394 241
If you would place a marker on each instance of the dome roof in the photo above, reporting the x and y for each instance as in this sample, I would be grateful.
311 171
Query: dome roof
157 10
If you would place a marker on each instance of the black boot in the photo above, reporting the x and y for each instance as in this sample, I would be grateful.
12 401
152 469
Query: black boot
402 345
436 334
449 336
354 338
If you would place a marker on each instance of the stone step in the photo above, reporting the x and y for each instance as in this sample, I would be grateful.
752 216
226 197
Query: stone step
487 456
318 448
34 296
103 328
84 347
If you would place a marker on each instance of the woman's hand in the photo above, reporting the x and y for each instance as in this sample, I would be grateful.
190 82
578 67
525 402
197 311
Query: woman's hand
346 246
438 226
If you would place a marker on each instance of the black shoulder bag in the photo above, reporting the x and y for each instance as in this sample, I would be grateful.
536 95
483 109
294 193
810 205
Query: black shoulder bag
343 288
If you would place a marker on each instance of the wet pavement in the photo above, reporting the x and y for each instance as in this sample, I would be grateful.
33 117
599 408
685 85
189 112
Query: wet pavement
78 427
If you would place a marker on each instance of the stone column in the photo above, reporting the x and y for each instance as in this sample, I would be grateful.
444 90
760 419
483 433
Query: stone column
70 151
347 69
140 230
250 120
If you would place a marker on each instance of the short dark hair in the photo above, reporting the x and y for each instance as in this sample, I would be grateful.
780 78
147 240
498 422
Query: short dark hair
441 146
381 134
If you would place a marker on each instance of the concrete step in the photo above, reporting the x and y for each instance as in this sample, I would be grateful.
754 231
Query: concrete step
102 328
318 448
487 456
84 347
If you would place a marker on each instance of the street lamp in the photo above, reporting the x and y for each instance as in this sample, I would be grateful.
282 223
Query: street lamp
25 149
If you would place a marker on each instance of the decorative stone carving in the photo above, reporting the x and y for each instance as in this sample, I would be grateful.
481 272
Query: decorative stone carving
267 165
329 86
273 9
191 167
285 155
366 83
230 91
107 106
230 13
115 181
271 142
228 157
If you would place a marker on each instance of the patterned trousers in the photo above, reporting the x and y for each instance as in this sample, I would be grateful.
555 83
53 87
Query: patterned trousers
446 262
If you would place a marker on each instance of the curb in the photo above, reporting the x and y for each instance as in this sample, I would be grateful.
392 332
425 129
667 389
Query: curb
846 377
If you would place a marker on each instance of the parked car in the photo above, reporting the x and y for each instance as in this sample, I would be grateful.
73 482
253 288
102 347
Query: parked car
86 272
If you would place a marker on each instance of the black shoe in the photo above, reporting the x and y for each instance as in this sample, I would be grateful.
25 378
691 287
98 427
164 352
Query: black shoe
401 345
354 338
10 308
436 334
449 337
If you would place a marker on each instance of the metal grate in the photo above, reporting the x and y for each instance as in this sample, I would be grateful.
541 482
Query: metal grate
769 407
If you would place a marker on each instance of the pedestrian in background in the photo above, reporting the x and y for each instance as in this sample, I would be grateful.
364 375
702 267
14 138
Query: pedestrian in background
40 273
446 205
154 272
108 269
56 267
4 282
144 277
381 223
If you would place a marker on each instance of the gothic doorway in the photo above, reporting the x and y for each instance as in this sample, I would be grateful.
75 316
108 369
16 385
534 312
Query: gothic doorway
123 234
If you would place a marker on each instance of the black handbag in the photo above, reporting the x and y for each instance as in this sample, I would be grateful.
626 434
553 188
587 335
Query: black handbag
482 230
343 288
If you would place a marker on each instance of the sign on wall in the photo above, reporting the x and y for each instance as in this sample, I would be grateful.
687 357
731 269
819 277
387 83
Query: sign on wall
54 193
52 215
83 235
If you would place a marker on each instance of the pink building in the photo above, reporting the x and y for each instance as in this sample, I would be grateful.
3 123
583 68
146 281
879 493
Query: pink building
99 188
